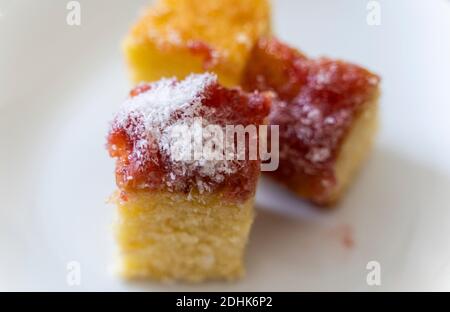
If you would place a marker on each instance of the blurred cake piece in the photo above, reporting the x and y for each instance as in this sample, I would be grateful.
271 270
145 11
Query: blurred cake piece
182 216
327 113
179 37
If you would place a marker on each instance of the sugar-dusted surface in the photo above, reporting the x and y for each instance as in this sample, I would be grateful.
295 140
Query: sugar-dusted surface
143 136
318 102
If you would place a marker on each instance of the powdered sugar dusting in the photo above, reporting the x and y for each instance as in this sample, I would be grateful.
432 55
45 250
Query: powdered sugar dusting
160 121
176 142
155 107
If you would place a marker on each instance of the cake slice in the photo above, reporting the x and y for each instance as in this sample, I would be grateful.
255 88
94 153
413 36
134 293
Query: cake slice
183 214
179 37
327 114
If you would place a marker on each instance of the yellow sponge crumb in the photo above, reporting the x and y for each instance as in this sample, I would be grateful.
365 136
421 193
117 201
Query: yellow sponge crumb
169 236
355 148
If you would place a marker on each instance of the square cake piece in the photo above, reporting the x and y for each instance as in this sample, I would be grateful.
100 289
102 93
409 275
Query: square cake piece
179 37
184 213
327 116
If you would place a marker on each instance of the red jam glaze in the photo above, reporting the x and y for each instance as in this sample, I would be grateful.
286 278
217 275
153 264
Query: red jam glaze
131 174
232 107
317 103
235 107
208 54
139 89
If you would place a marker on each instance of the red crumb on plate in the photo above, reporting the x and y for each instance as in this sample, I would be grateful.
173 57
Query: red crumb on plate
345 234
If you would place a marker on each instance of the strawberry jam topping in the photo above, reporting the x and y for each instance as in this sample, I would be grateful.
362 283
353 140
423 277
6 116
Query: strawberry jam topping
140 131
317 102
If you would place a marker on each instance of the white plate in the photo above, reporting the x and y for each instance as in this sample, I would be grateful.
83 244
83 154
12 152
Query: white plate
59 85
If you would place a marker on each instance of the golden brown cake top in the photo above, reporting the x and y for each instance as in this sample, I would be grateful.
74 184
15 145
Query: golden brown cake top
215 29
318 100
154 133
